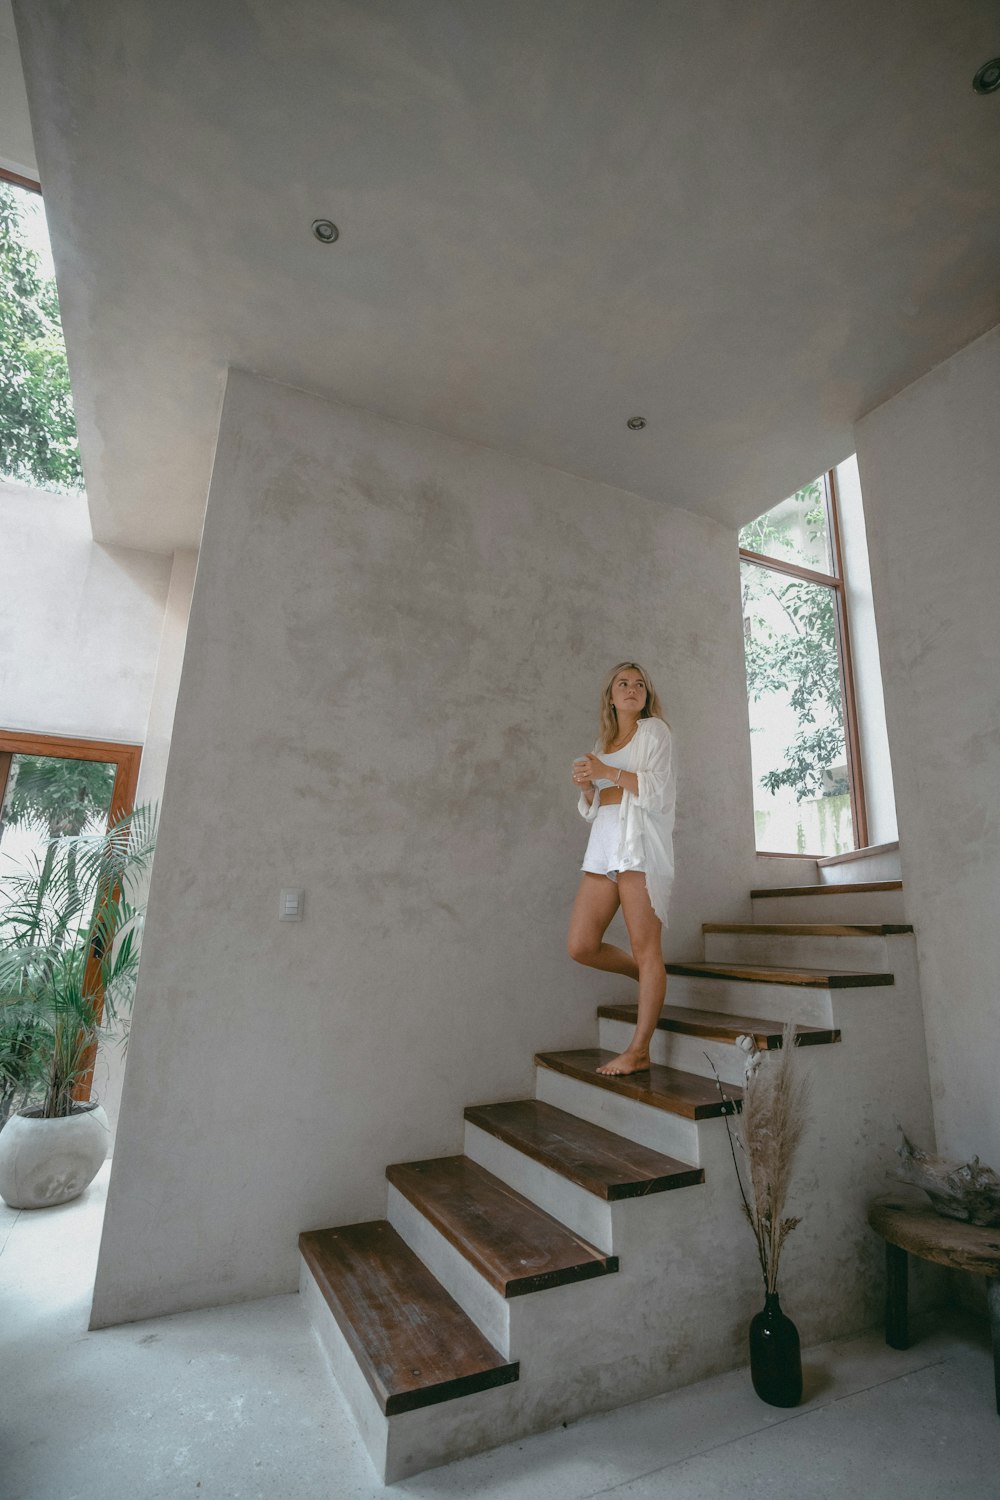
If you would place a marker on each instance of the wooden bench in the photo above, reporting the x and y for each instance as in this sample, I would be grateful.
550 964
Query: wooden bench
909 1225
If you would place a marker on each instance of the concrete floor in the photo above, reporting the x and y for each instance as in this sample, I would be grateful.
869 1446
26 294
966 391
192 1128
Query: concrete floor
237 1402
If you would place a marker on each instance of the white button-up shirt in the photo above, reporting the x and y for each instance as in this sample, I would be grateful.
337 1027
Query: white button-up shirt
646 819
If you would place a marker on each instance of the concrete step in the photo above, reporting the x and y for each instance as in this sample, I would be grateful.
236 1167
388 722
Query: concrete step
397 1345
699 1041
860 946
575 1170
878 862
865 902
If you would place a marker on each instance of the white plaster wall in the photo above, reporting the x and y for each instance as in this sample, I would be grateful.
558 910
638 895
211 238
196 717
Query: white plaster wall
393 657
79 623
109 1069
929 462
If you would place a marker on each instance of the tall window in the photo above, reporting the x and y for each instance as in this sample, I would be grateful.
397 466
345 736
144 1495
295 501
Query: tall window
808 792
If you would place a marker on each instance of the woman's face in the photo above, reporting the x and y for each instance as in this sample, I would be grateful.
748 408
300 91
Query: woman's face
628 691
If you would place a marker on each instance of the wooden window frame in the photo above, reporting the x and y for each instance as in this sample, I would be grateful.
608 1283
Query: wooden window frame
6 175
125 757
845 660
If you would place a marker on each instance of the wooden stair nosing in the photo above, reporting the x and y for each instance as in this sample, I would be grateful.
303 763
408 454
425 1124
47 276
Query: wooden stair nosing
815 979
857 887
718 1026
810 929
413 1343
515 1246
669 1089
609 1166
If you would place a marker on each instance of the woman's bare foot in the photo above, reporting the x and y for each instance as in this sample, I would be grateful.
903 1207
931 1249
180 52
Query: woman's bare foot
629 1061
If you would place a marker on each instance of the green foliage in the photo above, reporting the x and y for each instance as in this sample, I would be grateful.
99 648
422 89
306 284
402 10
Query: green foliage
69 954
800 661
771 535
56 795
37 427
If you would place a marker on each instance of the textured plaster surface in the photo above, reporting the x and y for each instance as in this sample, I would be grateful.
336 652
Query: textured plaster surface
393 657
748 223
237 1402
109 1070
929 461
80 623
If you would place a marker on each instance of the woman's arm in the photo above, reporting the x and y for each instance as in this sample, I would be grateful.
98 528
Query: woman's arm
653 777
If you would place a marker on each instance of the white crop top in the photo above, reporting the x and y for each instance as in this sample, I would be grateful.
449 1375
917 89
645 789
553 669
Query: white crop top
616 758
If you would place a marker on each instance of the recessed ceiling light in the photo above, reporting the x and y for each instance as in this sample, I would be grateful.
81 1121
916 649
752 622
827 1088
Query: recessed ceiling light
325 231
987 80
636 424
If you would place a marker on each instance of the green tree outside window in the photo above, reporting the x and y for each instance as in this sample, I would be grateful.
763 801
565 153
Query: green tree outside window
38 443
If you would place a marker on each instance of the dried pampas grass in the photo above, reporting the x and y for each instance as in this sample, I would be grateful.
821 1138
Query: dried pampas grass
767 1133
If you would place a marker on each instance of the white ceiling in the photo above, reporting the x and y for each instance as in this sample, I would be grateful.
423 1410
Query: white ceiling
749 221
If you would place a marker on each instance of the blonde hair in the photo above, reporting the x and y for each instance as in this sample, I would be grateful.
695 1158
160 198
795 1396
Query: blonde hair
652 709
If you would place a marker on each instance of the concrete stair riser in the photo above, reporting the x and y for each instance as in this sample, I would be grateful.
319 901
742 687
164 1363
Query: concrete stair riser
838 906
481 1302
583 1212
741 997
672 1134
865 954
676 1050
854 871
373 1425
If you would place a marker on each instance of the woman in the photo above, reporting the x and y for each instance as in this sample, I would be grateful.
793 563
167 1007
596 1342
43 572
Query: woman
627 792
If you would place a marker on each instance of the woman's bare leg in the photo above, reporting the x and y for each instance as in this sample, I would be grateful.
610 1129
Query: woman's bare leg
645 933
595 905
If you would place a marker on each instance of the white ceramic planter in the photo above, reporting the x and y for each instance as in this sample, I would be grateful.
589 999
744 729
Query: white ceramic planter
43 1162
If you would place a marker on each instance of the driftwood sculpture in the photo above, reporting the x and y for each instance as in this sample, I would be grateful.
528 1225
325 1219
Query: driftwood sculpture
970 1192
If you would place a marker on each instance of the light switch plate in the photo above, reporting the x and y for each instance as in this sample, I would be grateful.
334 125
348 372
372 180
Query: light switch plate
291 905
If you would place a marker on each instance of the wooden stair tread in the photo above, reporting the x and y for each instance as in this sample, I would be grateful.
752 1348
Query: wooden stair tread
414 1344
718 1026
858 887
816 979
607 1165
669 1089
811 929
515 1246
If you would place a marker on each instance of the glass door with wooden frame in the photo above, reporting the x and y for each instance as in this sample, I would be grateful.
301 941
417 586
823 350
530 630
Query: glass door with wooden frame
52 786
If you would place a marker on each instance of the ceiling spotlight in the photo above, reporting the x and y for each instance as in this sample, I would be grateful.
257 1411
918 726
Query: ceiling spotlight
987 80
325 231
636 424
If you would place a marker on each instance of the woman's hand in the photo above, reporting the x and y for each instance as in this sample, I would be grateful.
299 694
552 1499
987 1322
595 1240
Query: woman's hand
581 772
597 770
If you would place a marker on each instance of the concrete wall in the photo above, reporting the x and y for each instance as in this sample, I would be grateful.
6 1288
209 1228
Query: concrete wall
393 657
93 638
109 1071
929 462
80 623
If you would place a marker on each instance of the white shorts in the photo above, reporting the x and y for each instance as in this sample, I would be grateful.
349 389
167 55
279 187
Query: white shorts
603 856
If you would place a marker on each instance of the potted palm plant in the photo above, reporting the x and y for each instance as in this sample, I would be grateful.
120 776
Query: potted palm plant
70 924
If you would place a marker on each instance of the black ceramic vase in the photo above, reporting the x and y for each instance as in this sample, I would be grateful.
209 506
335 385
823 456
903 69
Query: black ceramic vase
775 1356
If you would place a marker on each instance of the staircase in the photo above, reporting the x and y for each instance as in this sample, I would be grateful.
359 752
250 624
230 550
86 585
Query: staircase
588 1249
